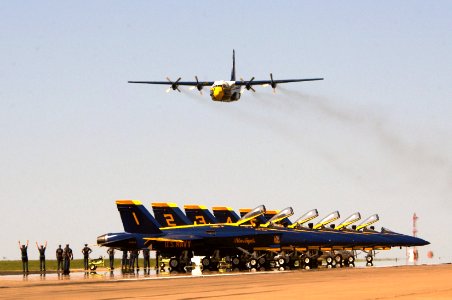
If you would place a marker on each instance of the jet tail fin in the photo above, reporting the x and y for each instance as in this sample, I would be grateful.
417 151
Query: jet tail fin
233 66
169 215
199 214
225 214
136 218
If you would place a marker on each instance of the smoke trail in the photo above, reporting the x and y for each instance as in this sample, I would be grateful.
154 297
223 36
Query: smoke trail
419 155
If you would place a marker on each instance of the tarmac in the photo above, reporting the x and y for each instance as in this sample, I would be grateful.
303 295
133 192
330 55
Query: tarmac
406 282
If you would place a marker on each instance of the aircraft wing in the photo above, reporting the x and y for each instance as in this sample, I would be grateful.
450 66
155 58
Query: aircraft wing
174 238
262 82
187 83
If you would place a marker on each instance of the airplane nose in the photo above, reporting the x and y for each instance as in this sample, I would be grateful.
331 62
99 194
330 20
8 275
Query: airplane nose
218 93
102 239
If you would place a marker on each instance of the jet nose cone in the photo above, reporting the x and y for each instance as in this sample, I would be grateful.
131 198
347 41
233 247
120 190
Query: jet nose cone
102 239
217 93
422 242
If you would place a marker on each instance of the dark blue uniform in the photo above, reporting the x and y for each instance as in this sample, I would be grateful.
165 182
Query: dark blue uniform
124 263
59 257
42 258
67 257
86 251
111 257
132 260
23 250
146 256
136 253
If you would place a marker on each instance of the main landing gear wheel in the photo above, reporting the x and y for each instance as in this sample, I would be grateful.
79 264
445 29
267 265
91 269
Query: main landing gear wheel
173 263
295 264
235 262
93 267
369 260
329 260
253 263
205 262
338 260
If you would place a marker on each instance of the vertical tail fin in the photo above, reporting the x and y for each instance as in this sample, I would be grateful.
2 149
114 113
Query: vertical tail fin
233 66
136 218
169 215
199 214
225 214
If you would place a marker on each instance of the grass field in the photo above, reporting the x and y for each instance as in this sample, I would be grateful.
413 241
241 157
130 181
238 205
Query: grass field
51 265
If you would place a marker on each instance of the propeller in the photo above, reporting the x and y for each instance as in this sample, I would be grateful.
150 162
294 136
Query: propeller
248 85
174 86
198 86
272 84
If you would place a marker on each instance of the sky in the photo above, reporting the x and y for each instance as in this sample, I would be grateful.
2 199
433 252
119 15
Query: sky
375 136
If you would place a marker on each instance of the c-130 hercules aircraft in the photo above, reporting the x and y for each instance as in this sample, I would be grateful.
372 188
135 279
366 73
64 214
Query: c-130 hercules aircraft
225 90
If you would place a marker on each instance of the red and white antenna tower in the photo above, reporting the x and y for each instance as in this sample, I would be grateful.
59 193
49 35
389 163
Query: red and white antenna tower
414 224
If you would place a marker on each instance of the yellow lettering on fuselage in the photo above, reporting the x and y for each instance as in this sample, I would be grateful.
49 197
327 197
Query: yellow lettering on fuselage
184 244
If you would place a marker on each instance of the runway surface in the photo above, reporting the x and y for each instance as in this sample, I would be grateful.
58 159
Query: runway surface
409 282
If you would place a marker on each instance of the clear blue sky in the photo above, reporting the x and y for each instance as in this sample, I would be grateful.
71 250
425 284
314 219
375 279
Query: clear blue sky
375 136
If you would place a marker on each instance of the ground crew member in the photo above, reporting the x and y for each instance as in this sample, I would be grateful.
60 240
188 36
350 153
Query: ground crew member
146 256
59 257
136 254
42 256
67 257
23 250
86 251
124 263
132 260
111 257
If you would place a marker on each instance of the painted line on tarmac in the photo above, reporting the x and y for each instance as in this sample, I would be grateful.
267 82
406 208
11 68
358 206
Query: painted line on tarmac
162 277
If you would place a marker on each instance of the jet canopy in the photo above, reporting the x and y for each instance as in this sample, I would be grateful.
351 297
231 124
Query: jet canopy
350 220
370 220
285 213
328 219
254 213
312 214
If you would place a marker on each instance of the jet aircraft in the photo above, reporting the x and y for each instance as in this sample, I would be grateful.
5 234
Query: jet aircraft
225 90
239 243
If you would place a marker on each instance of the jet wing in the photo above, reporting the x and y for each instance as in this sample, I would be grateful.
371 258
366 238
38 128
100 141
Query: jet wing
174 238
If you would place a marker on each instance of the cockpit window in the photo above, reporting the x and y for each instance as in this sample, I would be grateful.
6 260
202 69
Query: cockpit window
254 213
350 220
370 220
312 214
328 219
285 213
